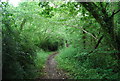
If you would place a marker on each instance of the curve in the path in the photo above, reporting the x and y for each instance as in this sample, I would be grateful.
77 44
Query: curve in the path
51 69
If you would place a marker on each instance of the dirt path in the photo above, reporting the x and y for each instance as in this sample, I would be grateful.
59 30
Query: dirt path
51 71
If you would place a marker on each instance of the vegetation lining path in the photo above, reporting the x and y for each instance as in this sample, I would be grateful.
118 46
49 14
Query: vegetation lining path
86 33
51 69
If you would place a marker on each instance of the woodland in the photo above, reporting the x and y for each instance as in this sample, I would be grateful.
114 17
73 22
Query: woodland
86 36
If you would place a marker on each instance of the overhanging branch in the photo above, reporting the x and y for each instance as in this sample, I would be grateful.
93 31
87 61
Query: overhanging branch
82 30
115 13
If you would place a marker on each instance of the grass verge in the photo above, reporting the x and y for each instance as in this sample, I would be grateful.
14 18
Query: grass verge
40 62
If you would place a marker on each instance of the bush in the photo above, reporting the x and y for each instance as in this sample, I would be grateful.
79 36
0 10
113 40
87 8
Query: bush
18 52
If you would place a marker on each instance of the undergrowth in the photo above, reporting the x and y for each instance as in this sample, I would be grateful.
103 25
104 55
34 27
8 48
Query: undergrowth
81 65
40 61
32 30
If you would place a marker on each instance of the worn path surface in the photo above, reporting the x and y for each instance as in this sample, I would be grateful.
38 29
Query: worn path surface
51 71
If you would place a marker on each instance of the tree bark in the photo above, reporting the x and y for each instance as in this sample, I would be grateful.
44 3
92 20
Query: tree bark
106 22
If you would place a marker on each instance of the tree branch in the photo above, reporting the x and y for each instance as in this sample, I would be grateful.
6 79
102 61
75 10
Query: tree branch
115 13
82 30
95 11
96 46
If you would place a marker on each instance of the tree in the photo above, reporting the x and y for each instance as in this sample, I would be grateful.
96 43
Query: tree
106 21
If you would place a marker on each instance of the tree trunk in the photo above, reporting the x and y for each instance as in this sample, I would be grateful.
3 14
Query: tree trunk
106 23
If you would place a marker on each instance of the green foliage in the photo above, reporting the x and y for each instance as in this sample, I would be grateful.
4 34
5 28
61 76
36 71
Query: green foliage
21 43
47 10
84 66
18 53
40 61
32 30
